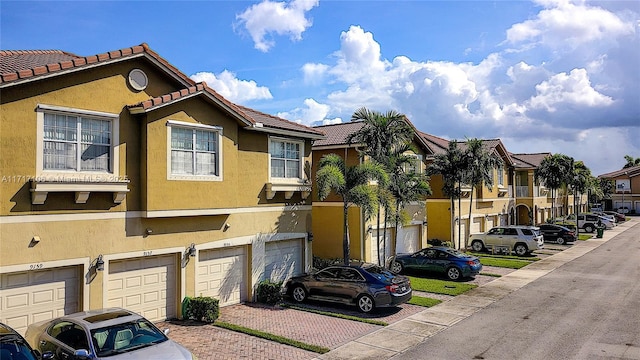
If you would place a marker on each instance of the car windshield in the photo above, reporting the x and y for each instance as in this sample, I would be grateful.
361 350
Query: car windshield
15 350
125 337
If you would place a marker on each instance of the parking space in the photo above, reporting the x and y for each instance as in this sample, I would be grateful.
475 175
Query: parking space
210 342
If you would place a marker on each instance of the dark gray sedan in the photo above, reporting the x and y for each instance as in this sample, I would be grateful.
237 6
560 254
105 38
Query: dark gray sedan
366 285
104 334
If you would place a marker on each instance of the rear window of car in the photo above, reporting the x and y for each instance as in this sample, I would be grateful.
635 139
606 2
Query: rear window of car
527 231
379 272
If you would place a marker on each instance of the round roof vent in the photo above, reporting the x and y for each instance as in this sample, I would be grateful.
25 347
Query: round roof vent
138 79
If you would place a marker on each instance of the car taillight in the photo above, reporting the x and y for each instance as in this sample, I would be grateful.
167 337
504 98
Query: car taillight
470 262
392 288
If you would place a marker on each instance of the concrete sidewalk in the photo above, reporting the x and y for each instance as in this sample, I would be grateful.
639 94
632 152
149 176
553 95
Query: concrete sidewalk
404 334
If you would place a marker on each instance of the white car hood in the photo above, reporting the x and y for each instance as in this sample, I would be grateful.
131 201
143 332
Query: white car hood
167 350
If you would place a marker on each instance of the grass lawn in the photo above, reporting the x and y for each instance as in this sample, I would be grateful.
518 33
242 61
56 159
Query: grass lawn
440 286
585 236
423 301
272 337
502 262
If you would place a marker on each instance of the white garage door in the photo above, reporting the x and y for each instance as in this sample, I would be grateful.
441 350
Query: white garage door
144 285
31 296
489 224
283 259
377 254
408 239
460 242
222 275
475 225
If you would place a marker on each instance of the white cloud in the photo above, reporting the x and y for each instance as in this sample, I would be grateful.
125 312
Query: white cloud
573 79
268 17
568 25
312 113
314 73
232 88
568 89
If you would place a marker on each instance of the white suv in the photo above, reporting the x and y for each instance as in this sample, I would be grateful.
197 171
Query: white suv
520 239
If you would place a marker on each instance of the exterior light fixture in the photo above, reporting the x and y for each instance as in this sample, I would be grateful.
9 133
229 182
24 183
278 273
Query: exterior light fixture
191 250
99 265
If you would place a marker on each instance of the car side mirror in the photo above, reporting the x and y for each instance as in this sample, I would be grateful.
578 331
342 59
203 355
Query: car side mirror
166 331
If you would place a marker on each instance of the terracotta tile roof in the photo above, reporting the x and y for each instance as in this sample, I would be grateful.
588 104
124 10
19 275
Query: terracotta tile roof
523 161
16 65
275 122
631 172
26 65
440 145
337 133
14 61
245 114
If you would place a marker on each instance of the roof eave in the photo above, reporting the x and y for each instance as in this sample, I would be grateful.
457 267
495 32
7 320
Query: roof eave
292 133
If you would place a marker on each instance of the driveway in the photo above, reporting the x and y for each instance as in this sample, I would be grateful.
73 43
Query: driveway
210 342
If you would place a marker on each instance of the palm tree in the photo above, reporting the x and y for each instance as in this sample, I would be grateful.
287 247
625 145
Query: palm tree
552 172
480 166
631 161
405 185
450 165
382 134
351 183
581 182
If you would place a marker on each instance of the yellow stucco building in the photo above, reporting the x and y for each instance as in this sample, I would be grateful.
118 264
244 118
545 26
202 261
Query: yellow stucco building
125 183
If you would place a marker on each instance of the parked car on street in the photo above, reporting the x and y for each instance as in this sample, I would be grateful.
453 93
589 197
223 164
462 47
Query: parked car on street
517 238
440 260
588 222
112 333
14 347
368 286
619 217
557 233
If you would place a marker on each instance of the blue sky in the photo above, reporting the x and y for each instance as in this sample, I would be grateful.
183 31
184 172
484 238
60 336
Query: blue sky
543 76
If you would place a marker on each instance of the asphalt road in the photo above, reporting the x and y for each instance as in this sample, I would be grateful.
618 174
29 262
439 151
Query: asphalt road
588 308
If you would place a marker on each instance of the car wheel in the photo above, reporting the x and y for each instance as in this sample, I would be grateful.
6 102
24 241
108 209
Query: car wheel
589 228
560 241
365 303
521 250
477 246
396 267
298 293
453 273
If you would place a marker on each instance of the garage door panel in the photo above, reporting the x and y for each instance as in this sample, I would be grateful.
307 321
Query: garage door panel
221 275
31 296
144 285
283 259
408 240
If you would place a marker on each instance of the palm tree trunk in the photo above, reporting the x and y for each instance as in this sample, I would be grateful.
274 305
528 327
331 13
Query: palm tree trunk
384 235
345 240
470 209
378 235
459 220
453 238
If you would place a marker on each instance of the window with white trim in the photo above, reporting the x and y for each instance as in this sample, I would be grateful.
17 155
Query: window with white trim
500 175
286 159
415 166
76 141
195 151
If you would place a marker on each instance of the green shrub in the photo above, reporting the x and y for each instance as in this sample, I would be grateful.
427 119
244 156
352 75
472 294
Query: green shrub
320 263
202 308
268 292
